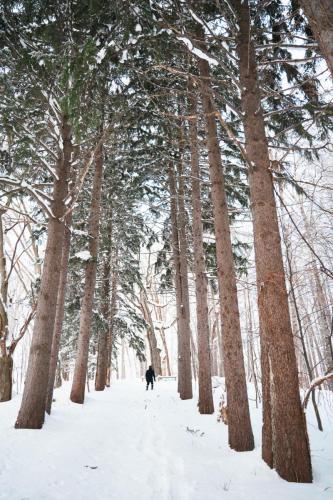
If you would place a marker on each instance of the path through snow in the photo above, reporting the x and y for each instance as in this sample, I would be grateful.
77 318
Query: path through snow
129 444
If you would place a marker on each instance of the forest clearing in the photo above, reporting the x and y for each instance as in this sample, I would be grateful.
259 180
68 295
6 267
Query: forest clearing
166 180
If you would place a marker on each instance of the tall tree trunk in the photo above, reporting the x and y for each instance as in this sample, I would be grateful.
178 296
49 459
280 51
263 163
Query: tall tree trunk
186 389
323 312
102 356
155 355
324 322
60 311
239 423
183 326
159 316
113 310
6 362
205 404
217 320
320 17
81 362
289 440
32 411
6 374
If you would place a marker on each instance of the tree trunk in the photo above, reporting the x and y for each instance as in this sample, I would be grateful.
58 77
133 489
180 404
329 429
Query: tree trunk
6 362
323 312
159 316
324 322
81 362
6 373
239 423
320 17
60 311
32 411
205 404
58 379
102 357
290 454
217 320
183 326
155 355
113 310
186 369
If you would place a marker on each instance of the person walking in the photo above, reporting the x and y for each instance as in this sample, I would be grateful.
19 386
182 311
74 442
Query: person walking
150 377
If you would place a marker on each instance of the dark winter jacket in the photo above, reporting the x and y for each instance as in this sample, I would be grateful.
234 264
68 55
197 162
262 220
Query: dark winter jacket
150 375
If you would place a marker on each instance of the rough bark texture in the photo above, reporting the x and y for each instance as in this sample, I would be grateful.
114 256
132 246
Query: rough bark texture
185 339
6 371
239 424
60 311
183 327
81 362
102 357
290 445
320 17
205 404
32 411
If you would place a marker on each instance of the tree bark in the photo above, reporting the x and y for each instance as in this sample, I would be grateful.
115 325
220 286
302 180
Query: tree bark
6 362
102 357
320 17
60 311
81 362
6 373
186 369
183 327
239 423
205 404
32 411
113 310
290 453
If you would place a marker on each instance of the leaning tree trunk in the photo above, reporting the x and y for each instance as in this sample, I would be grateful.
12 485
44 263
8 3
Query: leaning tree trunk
183 325
32 411
60 311
239 423
102 356
320 17
205 404
290 453
81 362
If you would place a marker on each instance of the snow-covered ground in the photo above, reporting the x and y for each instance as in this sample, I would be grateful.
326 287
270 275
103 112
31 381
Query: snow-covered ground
129 444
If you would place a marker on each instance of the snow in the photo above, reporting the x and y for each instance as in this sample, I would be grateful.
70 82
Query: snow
83 255
100 55
197 52
196 18
126 443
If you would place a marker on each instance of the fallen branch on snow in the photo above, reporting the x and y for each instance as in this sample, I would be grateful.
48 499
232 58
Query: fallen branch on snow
317 381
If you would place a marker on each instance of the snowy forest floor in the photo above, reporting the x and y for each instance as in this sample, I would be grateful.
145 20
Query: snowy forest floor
129 444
